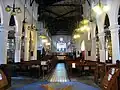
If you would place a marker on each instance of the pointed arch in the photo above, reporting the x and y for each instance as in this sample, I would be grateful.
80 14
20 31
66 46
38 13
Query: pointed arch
119 16
106 22
83 46
108 45
97 44
96 33
1 15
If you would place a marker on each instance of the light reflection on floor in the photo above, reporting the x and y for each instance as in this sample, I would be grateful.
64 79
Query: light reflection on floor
60 74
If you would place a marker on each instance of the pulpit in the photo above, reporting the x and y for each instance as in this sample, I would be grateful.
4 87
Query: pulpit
3 80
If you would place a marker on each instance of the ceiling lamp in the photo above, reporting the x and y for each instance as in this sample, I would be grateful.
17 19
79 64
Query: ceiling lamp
85 21
44 40
76 36
85 28
42 36
13 9
100 8
47 44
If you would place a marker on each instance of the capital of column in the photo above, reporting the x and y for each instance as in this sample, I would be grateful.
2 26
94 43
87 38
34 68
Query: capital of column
114 28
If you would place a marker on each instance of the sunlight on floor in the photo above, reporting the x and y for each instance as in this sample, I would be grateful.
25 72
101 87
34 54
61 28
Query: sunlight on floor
60 74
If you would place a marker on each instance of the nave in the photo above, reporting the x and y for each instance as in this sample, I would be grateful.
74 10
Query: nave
58 81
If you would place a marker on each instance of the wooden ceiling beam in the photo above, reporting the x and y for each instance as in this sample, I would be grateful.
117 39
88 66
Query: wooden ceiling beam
66 13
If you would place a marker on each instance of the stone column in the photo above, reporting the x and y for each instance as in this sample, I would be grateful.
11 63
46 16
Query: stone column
34 45
93 51
18 34
26 43
17 48
93 38
102 46
35 49
3 45
115 43
77 44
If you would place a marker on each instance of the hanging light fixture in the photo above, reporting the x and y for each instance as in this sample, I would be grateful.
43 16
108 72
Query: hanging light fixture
14 10
76 36
44 40
100 8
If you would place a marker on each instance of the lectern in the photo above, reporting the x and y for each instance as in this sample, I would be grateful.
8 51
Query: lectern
3 80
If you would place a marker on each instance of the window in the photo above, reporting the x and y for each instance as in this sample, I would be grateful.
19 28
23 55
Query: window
89 53
61 47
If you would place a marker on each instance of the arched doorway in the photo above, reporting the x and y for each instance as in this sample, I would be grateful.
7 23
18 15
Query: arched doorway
108 43
97 45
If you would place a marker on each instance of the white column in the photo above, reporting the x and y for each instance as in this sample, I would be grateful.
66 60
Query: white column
115 43
93 38
35 49
34 45
17 48
102 46
3 45
77 44
93 51
26 44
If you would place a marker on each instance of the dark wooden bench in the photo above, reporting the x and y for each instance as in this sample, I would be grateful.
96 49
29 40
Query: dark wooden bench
84 66
111 80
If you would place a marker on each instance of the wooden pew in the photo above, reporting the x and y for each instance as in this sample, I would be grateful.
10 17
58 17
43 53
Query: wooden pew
110 80
99 72
28 67
86 66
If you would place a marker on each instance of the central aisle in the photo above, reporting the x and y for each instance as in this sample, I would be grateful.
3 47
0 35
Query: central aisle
58 81
60 74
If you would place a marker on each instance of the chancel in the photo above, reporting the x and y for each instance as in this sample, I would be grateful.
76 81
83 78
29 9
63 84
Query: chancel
59 45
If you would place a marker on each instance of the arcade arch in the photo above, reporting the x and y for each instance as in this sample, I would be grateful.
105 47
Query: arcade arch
108 44
11 41
97 45
1 15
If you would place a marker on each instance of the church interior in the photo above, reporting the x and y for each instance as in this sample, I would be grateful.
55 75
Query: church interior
59 44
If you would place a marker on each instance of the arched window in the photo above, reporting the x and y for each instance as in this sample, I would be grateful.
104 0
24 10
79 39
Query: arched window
11 46
119 16
83 49
83 46
108 44
1 15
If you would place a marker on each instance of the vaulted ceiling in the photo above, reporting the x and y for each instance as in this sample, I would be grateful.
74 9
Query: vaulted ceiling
60 16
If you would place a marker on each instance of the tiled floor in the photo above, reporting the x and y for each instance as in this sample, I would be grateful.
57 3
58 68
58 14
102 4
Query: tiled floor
18 82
